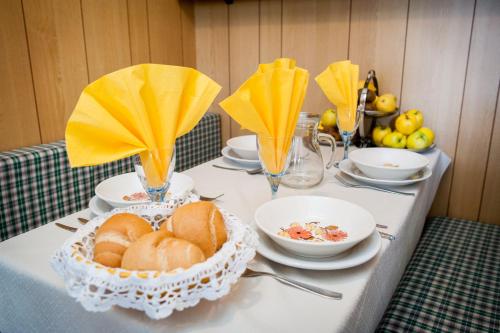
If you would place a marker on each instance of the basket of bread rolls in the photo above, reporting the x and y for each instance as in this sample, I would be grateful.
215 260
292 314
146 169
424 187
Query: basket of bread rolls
155 258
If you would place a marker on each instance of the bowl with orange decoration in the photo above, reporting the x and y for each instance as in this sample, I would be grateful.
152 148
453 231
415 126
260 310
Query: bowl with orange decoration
314 226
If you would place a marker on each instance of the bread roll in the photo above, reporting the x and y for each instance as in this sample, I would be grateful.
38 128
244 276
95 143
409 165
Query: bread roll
159 251
201 223
115 235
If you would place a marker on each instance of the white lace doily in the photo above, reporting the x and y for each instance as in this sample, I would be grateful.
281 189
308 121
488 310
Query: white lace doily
98 287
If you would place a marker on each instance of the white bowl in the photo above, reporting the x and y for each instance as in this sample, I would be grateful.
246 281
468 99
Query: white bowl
351 218
113 189
244 146
388 163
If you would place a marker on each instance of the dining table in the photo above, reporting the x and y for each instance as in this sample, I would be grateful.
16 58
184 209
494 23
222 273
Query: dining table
34 298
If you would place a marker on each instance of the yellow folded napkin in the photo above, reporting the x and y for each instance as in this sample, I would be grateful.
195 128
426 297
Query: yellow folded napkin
269 103
339 82
140 109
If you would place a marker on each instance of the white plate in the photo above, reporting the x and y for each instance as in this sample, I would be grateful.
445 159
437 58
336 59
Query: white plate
350 169
113 189
99 207
355 256
230 155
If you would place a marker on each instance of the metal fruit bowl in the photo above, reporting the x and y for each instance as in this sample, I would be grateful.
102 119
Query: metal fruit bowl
380 114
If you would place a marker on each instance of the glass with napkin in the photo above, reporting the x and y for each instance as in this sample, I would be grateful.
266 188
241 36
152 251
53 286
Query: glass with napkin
268 103
141 110
339 82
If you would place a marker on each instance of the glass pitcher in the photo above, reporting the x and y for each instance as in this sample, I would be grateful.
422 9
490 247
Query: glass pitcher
306 166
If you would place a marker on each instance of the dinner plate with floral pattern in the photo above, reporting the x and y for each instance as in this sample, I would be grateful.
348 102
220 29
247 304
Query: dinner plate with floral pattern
357 255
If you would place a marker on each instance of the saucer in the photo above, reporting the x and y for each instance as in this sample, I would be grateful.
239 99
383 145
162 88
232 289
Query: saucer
228 153
355 256
98 206
347 167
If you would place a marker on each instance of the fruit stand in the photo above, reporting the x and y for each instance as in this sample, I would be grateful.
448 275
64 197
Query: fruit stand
407 131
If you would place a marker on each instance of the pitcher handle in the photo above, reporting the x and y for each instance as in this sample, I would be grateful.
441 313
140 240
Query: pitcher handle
333 143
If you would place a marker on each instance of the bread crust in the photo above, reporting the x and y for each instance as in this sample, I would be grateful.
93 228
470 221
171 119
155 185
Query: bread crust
202 224
124 228
160 251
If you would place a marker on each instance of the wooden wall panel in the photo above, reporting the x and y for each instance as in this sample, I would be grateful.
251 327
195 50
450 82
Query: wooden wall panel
478 112
270 30
52 48
243 47
434 72
18 117
106 36
165 32
315 33
138 24
212 51
377 40
490 204
57 49
188 33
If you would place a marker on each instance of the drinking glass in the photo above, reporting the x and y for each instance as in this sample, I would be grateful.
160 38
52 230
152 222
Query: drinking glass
274 156
155 184
347 122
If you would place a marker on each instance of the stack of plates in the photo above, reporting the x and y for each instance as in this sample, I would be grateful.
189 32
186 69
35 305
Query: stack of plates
386 166
242 150
111 192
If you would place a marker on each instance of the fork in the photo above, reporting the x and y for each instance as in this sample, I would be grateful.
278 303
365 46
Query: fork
249 171
299 285
347 184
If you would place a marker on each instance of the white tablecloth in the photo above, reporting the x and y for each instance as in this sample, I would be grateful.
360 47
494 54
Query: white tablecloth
33 297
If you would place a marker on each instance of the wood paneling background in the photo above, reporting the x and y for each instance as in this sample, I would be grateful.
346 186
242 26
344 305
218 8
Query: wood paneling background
437 56
51 49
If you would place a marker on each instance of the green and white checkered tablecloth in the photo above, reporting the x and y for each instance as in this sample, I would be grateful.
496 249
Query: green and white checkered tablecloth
452 283
37 184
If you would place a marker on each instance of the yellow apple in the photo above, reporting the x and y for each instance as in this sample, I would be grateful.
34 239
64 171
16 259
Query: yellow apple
386 103
406 124
419 117
428 133
378 134
329 118
395 140
417 140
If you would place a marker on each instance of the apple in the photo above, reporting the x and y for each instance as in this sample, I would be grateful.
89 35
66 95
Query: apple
406 124
419 116
329 118
417 140
378 134
428 133
395 140
386 103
